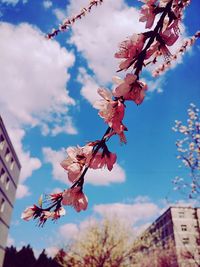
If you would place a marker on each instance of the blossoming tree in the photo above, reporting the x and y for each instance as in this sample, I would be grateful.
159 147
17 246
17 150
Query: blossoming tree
188 148
105 243
162 20
110 242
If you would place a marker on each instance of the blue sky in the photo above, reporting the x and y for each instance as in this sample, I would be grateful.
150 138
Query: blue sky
47 90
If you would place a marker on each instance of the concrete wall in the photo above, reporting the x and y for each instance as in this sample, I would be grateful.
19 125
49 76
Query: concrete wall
9 176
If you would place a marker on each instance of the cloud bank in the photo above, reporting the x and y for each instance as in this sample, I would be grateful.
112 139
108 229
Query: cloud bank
34 74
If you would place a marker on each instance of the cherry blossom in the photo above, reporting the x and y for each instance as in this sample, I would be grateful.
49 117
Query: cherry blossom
76 160
35 212
131 89
169 36
54 215
130 49
112 111
103 159
54 197
30 212
148 13
76 198
189 152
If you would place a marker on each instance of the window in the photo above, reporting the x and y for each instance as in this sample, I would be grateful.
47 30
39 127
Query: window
184 227
2 205
181 214
12 163
166 232
185 240
2 175
7 182
7 154
2 142
163 234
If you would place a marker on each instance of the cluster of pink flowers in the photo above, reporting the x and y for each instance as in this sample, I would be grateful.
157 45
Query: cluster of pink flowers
53 212
93 155
135 52
76 198
129 50
78 157
148 13
112 111
130 88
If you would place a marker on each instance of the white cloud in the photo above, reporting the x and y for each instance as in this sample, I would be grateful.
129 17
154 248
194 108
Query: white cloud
13 2
141 228
47 4
55 158
8 2
34 74
38 67
68 128
56 190
59 13
106 177
68 231
95 177
10 241
90 86
51 251
156 84
22 191
28 163
136 212
98 34
179 203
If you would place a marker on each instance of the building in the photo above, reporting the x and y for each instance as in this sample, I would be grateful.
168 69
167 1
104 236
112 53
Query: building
9 175
178 227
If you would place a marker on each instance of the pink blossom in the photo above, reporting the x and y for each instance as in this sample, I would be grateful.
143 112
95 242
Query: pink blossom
131 89
153 50
29 213
43 215
54 215
124 86
55 197
148 2
169 36
130 49
101 160
112 111
76 160
76 198
148 14
58 213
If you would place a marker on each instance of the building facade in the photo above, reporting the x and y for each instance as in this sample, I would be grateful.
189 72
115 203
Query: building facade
178 227
9 175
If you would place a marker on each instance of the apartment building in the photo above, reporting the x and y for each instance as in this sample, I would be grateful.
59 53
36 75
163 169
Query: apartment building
9 175
178 227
